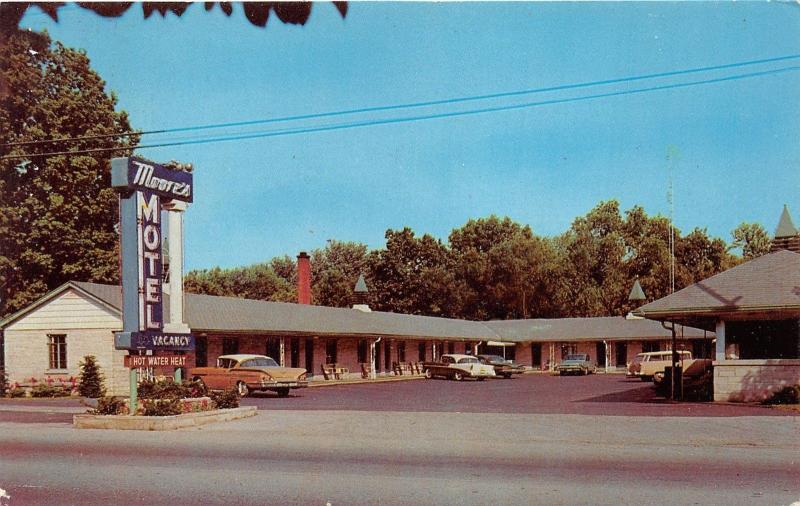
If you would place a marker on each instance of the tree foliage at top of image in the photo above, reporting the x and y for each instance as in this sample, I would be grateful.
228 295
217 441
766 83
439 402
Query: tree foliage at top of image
57 213
257 13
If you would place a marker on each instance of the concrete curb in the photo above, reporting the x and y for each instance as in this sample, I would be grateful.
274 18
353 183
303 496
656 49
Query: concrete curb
186 420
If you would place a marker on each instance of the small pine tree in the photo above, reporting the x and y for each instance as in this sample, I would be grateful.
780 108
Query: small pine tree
91 380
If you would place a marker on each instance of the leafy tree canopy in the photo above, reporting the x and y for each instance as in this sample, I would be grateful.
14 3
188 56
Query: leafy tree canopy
752 239
58 211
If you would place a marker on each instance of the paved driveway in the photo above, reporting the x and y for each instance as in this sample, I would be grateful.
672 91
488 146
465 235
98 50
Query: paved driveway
528 394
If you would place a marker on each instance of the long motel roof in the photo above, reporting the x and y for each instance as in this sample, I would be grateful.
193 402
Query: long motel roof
231 315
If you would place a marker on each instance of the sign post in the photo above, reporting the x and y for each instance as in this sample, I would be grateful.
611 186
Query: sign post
145 187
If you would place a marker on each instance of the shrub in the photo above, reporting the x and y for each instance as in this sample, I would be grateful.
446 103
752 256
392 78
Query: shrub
16 392
3 383
91 379
46 390
109 406
786 395
167 389
225 399
161 407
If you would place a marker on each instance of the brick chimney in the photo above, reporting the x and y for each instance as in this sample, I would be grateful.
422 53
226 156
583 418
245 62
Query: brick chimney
303 278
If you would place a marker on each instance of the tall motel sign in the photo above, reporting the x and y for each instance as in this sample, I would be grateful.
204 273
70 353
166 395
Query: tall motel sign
145 189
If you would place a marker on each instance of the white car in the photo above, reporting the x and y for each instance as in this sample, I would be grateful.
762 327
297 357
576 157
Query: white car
458 367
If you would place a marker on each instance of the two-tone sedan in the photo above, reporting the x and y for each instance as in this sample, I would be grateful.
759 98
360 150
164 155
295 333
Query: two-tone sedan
248 373
458 367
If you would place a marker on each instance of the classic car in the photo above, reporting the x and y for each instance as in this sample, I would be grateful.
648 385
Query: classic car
502 367
249 373
458 367
577 363
650 364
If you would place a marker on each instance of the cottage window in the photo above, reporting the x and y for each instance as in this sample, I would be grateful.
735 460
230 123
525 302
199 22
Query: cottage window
401 351
57 344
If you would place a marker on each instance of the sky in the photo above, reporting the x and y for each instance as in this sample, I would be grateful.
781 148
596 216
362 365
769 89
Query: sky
729 147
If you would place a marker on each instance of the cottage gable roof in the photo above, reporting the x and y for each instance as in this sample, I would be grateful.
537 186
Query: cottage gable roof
770 283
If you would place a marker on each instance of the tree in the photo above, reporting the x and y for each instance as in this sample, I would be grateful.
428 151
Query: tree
257 281
335 270
506 270
57 213
91 379
413 275
753 240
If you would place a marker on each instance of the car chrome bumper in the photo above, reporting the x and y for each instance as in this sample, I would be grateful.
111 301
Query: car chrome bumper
268 385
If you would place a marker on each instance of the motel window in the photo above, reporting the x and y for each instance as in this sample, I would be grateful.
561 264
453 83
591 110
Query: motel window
401 351
230 346
648 346
57 343
387 354
451 347
330 351
363 351
422 351
568 349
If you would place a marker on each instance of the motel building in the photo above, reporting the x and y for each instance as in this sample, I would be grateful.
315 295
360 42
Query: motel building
50 337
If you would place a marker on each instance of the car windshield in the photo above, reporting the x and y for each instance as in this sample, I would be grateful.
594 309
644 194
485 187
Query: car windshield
260 362
638 359
576 357
497 359
468 360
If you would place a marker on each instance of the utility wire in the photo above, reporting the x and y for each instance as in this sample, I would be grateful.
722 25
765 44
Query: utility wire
411 105
386 121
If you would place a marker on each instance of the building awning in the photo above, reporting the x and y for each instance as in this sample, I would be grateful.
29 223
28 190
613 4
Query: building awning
499 343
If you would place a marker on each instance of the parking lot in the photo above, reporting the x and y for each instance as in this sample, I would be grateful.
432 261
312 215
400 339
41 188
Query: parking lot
601 394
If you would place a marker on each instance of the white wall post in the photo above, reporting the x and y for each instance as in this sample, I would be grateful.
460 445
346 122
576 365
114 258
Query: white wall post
176 324
283 352
720 331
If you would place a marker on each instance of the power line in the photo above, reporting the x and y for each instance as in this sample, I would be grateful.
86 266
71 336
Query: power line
411 105
407 119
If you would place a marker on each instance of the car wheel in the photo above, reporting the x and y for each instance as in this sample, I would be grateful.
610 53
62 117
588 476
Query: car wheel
242 389
481 378
428 374
283 392
507 375
458 376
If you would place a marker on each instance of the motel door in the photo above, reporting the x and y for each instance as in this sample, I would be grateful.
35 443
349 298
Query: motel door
601 355
622 354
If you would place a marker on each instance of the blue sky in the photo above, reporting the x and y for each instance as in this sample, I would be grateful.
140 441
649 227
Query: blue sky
736 141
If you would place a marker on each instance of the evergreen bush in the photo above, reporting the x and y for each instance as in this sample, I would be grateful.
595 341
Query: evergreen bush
91 379
167 389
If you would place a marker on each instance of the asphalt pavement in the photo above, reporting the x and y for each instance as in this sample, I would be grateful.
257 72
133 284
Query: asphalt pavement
421 442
